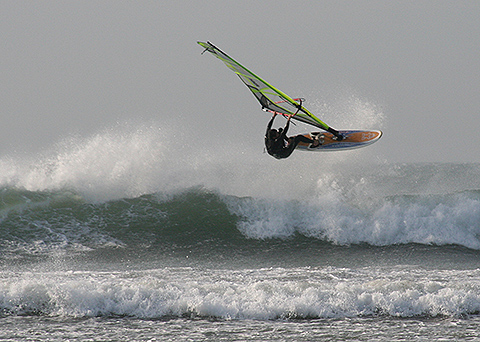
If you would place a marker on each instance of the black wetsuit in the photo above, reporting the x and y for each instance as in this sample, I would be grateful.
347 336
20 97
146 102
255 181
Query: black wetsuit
282 147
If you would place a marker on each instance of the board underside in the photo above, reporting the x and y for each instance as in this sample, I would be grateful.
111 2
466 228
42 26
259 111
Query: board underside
352 139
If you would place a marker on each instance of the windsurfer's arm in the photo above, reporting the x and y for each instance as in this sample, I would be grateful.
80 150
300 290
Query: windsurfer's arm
285 130
269 126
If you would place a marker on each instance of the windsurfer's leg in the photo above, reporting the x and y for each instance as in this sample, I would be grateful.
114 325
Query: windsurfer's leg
304 139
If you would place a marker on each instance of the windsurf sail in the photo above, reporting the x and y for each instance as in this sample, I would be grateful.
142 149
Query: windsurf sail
270 98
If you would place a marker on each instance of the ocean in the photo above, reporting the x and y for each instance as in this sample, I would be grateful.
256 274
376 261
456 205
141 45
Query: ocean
115 237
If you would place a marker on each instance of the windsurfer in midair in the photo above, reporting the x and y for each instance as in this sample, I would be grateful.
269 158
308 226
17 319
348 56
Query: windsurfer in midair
279 145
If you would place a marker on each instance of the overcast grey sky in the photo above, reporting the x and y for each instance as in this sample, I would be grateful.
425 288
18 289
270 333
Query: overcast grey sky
410 68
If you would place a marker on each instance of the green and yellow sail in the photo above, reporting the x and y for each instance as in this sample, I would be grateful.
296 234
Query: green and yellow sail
270 98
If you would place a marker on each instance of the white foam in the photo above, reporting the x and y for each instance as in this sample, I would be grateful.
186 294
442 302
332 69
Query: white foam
244 294
426 219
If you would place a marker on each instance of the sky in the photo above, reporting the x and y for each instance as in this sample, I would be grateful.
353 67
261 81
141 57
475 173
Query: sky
409 68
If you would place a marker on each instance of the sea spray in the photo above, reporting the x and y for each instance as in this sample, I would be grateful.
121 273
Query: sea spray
133 160
344 108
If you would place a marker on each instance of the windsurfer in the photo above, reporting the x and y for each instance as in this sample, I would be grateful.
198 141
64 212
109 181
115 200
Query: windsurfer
279 145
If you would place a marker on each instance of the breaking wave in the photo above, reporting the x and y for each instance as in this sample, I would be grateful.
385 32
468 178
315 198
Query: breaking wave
42 221
126 186
302 293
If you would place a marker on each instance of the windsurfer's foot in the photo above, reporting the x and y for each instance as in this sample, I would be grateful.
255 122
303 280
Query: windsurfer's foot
316 141
338 137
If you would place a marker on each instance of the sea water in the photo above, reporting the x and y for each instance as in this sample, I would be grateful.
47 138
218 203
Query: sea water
118 237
